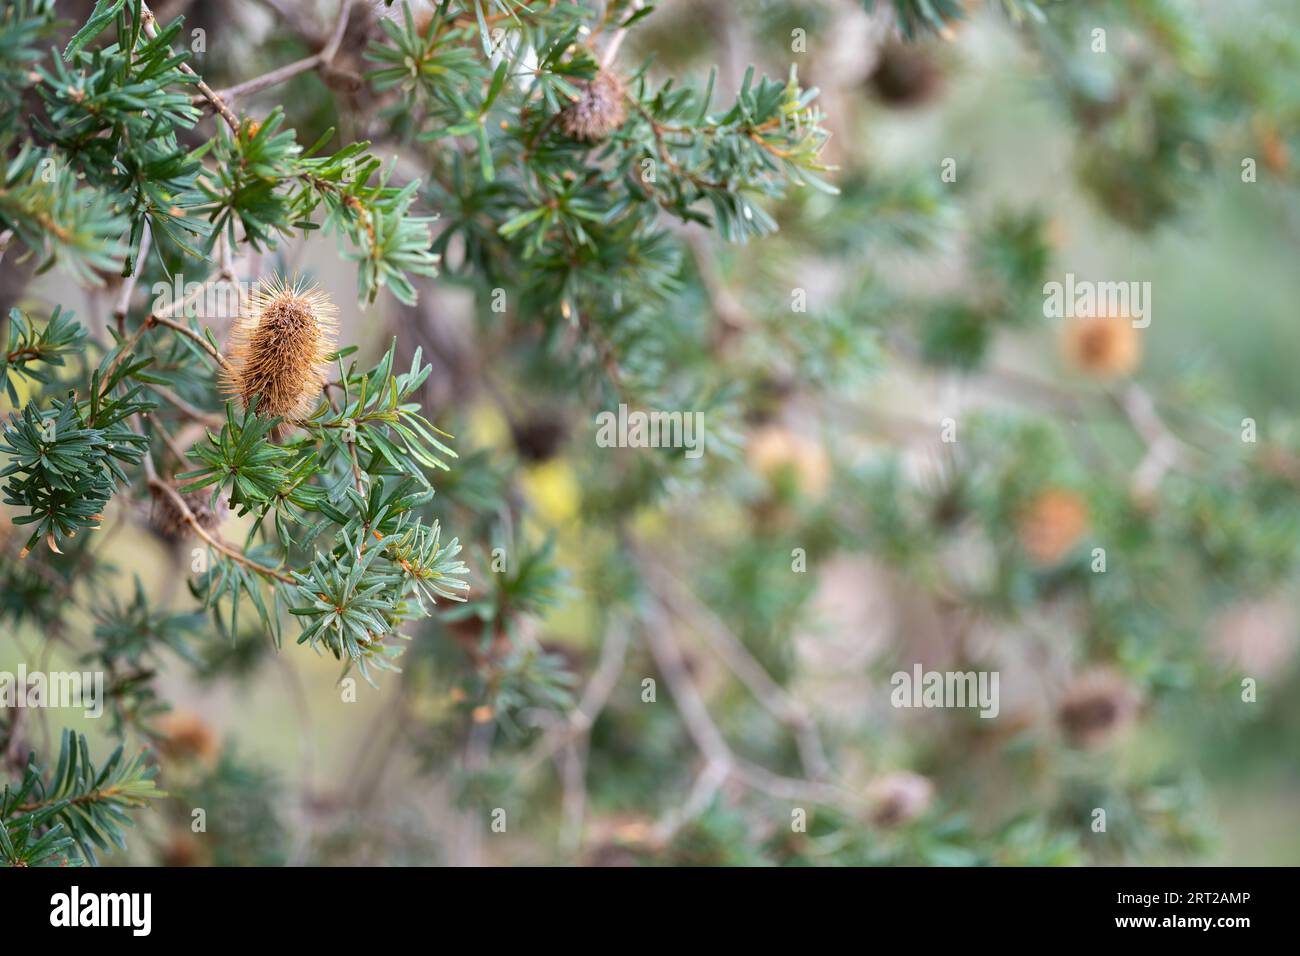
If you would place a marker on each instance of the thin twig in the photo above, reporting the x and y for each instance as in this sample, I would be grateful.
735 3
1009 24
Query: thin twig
1164 448
573 804
609 667
150 25
616 41
725 305
156 483
160 316
707 783
723 764
172 445
272 78
775 698
292 15
289 71
123 303
340 28
185 330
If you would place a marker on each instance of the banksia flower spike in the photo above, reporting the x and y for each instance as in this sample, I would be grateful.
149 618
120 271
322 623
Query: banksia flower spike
598 110
278 348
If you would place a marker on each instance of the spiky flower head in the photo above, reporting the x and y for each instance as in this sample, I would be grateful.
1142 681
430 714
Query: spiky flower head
598 110
278 347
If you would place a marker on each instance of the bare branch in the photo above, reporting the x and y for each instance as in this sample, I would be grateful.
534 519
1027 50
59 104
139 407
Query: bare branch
157 484
289 71
150 25
123 303
593 700
1164 449
190 411
780 702
616 41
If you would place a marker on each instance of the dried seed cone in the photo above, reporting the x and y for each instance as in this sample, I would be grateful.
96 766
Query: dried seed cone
1051 525
278 348
540 436
598 110
1102 346
1096 707
169 521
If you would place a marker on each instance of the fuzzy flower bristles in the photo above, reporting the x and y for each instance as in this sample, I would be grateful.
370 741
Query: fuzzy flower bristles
278 348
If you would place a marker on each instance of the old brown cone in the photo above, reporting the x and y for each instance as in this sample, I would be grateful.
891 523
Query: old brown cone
1096 707
170 522
598 110
1102 346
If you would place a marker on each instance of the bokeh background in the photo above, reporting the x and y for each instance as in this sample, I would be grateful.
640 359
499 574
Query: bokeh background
922 306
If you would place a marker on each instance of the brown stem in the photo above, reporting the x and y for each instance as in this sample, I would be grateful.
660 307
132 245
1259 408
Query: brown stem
289 71
128 284
85 798
190 411
150 26
157 484
185 330
162 316
270 79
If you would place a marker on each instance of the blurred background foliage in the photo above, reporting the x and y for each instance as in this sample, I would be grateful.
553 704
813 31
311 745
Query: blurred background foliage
829 535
